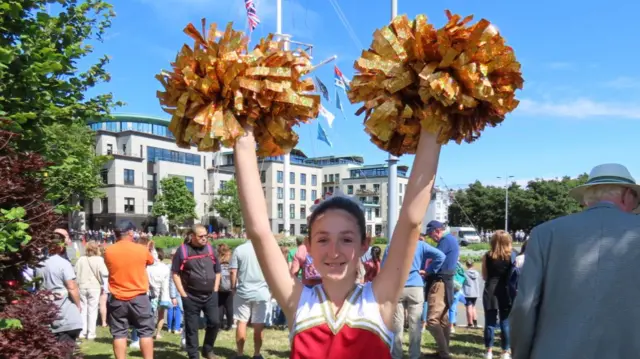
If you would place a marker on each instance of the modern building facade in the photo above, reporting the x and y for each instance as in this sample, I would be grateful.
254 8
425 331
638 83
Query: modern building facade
439 206
144 152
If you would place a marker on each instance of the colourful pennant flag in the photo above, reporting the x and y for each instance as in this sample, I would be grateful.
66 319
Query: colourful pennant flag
323 89
340 80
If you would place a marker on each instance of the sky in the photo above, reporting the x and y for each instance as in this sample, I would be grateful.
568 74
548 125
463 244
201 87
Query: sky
579 107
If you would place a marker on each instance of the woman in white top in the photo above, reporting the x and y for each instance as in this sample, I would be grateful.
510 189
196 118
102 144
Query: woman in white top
90 273
520 257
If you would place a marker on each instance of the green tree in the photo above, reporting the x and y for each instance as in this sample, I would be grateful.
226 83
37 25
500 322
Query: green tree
75 166
43 90
174 201
227 203
540 201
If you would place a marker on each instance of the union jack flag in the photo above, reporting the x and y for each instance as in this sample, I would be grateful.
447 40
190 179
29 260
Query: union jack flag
252 14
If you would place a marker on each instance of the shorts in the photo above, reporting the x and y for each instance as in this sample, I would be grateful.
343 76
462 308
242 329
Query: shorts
470 302
134 313
256 310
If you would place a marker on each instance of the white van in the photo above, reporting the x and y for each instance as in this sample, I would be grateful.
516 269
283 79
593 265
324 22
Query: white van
465 235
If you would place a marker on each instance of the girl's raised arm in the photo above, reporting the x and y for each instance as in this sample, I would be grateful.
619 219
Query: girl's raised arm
274 266
388 285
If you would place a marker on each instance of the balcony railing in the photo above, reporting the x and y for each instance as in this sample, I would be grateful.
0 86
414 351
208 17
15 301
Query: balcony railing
367 192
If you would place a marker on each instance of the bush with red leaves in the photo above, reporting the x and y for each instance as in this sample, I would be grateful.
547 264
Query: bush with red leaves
34 340
21 186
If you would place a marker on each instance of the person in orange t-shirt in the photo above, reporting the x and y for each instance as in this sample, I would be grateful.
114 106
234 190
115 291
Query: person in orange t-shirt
129 304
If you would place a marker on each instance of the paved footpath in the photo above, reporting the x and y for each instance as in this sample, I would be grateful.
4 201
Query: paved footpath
461 315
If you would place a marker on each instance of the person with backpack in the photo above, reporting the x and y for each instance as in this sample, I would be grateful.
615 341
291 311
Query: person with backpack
225 295
498 273
196 274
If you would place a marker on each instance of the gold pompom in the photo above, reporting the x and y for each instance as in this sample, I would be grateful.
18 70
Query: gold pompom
218 87
453 81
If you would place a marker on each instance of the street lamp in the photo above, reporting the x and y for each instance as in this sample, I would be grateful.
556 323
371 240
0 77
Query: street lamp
506 201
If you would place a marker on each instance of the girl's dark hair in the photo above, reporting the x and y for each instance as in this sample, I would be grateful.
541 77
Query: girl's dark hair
344 204
160 254
375 253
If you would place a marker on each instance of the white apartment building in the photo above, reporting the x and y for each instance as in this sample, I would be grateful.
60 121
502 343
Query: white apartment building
439 206
304 188
144 152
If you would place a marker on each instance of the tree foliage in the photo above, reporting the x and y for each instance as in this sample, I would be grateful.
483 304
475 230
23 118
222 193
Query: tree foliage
43 90
227 203
540 201
174 201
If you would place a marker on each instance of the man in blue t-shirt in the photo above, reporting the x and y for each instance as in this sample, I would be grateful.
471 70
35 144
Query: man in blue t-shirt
412 299
440 287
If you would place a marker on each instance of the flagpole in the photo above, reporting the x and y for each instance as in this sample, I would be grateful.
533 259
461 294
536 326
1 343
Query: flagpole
287 157
392 193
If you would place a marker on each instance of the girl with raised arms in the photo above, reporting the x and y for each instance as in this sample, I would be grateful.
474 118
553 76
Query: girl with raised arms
338 318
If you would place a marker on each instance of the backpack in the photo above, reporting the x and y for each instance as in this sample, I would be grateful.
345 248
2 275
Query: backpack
186 258
514 277
309 270
459 278
225 278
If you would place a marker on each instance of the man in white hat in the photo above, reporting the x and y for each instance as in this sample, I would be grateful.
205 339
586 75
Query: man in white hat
576 289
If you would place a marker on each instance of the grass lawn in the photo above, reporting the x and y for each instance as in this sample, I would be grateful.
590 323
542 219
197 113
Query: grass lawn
464 344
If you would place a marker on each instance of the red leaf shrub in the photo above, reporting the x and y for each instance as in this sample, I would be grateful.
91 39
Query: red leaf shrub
21 186
34 340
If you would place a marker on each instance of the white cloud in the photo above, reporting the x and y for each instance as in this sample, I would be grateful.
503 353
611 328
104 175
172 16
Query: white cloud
560 65
623 82
578 108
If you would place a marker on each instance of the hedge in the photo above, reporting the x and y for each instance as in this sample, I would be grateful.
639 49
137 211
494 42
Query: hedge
171 242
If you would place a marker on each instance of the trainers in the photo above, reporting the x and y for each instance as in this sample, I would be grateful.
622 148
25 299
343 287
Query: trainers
488 355
135 345
506 355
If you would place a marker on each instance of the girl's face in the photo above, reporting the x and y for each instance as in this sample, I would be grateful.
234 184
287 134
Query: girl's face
335 244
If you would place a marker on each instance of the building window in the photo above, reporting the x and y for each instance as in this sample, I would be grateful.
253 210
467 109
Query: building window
377 212
189 182
303 179
376 200
363 187
292 229
129 205
204 186
263 176
292 211
104 204
109 149
330 178
314 180
369 217
314 194
280 177
280 210
303 194
222 183
292 177
400 201
376 187
104 175
280 228
280 193
155 154
400 187
303 211
292 193
303 229
350 189
149 208
325 178
337 177
129 177
363 199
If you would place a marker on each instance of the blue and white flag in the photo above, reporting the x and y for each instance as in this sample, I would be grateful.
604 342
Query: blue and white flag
339 104
322 136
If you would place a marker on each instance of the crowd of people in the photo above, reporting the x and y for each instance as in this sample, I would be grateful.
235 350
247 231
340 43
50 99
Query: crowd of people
341 297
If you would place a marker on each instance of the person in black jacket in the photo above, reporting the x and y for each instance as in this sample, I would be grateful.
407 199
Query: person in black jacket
196 273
